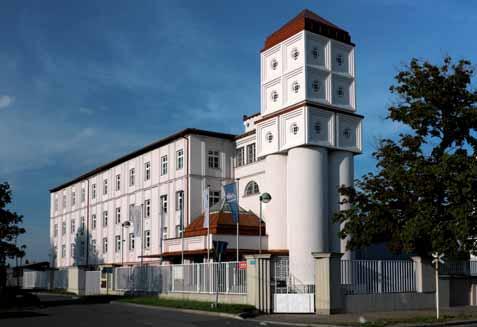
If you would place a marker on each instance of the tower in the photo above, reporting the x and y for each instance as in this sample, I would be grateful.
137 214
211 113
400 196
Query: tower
308 132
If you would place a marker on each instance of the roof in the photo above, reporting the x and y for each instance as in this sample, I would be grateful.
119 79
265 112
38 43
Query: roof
147 148
309 21
220 222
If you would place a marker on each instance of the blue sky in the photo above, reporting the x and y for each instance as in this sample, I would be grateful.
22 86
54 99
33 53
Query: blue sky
84 82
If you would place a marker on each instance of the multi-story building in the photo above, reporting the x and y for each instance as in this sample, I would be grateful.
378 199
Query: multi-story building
299 148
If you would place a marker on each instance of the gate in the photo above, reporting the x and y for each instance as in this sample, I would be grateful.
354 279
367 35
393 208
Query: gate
288 294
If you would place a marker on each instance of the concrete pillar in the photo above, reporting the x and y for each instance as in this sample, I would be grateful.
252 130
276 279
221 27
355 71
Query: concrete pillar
258 281
307 209
275 212
328 294
425 275
341 172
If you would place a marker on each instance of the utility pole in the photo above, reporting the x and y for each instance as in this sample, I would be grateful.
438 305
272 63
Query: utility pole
438 259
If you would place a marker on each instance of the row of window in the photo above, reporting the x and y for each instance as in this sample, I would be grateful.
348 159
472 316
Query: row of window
315 52
315 86
213 162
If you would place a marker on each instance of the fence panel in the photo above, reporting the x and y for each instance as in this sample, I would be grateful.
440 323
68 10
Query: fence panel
378 276
36 279
92 282
60 279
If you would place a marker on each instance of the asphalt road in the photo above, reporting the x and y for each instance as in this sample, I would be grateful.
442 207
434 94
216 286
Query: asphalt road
67 313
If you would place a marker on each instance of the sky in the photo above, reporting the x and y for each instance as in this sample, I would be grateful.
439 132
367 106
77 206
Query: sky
84 82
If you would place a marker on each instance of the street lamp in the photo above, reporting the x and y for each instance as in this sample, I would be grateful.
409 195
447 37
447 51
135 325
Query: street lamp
264 198
123 225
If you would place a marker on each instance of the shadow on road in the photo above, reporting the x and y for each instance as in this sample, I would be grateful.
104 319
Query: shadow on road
20 314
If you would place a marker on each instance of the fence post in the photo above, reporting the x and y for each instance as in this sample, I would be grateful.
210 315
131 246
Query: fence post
425 277
328 297
258 281
380 276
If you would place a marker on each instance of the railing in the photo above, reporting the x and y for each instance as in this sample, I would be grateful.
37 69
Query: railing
467 268
378 276
224 277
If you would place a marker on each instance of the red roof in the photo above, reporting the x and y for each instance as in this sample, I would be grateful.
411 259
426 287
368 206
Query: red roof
309 21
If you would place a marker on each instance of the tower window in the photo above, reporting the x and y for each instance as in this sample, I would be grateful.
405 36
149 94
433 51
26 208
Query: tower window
295 86
274 64
294 129
315 86
274 96
347 132
339 59
315 53
295 53
340 92
318 127
269 137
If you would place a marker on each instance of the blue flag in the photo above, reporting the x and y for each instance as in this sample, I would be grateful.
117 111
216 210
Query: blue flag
231 198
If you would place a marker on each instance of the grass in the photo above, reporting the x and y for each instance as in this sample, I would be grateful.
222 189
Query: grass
415 320
188 304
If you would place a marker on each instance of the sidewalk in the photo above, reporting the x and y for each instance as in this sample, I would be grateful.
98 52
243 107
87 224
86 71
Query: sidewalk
395 318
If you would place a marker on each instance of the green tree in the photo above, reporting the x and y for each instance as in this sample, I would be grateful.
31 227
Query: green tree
423 196
9 232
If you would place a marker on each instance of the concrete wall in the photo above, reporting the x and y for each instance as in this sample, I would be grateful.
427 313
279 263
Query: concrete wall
223 298
388 302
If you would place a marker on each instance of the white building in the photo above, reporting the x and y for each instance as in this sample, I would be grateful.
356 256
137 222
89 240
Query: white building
299 148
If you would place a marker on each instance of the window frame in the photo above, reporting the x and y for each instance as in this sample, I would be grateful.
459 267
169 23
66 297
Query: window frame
213 159
251 152
164 165
179 159
147 171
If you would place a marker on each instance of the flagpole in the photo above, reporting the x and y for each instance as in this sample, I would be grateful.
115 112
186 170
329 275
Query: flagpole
208 223
238 220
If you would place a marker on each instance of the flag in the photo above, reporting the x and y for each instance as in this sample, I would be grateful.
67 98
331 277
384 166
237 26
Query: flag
205 204
136 220
230 191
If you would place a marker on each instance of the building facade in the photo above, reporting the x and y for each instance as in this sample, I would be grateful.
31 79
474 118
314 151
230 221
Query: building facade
299 148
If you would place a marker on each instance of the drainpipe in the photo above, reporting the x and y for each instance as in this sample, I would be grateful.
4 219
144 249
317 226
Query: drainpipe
187 191
87 222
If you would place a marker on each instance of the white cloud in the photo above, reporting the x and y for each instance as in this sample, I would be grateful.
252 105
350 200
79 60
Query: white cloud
5 101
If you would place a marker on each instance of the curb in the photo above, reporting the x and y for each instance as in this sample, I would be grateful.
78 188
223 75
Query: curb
200 312
448 323
284 323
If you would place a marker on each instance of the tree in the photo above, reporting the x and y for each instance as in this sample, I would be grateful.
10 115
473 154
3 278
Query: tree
9 232
423 196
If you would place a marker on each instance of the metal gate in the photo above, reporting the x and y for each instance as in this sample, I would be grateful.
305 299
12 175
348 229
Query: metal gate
288 294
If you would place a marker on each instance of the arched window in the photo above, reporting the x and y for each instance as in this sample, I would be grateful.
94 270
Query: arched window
251 188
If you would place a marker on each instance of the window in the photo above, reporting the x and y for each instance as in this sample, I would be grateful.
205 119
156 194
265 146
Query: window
164 232
164 203
239 155
274 64
269 137
73 198
315 85
340 92
179 159
251 188
147 239
105 218
93 191
274 96
295 87
72 250
55 251
131 176
93 221
294 129
214 159
147 208
63 228
93 246
117 243
339 59
118 215
118 182
105 245
347 132
105 187
73 226
214 197
295 53
83 194
55 230
64 201
63 251
163 165
318 127
131 210
82 227
147 171
315 53
131 241
179 200
251 153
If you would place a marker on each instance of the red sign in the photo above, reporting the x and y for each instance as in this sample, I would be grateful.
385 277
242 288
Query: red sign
243 265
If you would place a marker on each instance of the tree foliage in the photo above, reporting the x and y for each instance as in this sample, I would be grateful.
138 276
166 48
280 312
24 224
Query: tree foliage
423 196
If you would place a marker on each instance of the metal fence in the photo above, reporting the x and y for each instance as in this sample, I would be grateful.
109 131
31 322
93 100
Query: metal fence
36 279
378 276
466 268
224 277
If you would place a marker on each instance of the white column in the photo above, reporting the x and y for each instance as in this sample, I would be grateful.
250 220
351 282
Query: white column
307 209
274 212
341 172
